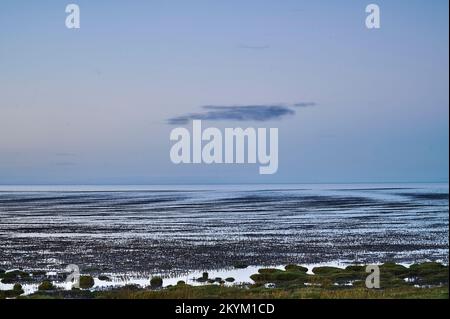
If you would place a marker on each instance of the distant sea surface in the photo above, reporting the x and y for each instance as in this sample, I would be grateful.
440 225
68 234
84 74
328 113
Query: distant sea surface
180 228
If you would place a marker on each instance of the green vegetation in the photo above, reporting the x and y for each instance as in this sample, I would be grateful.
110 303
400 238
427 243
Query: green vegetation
156 282
204 278
46 285
18 289
426 280
280 277
104 278
15 292
11 277
296 268
86 282
223 292
429 273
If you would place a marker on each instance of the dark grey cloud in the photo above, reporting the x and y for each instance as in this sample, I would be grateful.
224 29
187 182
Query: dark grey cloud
304 104
258 113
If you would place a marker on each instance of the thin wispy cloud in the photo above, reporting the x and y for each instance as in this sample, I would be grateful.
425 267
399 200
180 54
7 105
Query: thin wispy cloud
253 47
65 154
259 113
304 104
65 163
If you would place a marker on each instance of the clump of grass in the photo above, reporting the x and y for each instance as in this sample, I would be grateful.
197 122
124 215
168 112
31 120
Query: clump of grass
394 269
334 275
156 282
269 270
427 268
46 286
429 273
14 276
240 265
18 289
15 292
86 282
356 268
104 278
203 278
296 268
326 270
273 275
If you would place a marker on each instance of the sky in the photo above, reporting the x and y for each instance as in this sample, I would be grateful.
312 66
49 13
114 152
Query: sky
96 105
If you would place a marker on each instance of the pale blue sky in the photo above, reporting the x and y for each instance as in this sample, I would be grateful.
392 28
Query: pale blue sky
91 106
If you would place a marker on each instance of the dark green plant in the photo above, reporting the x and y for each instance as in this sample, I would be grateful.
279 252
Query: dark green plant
240 265
156 282
296 268
86 282
104 278
46 285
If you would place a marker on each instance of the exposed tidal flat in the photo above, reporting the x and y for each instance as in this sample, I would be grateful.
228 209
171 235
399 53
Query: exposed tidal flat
123 236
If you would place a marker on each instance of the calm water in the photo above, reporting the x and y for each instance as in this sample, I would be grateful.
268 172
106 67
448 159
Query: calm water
174 229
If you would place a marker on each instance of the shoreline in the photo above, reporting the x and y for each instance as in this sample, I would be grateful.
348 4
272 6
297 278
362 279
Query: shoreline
426 277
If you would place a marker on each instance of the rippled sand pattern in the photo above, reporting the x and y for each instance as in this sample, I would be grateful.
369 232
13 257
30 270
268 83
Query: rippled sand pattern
210 228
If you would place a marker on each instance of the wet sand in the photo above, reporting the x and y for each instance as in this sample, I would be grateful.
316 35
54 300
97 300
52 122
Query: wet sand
171 230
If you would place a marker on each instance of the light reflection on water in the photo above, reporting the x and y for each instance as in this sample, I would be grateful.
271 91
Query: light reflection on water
126 229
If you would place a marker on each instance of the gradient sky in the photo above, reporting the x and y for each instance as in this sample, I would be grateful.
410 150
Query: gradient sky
91 106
